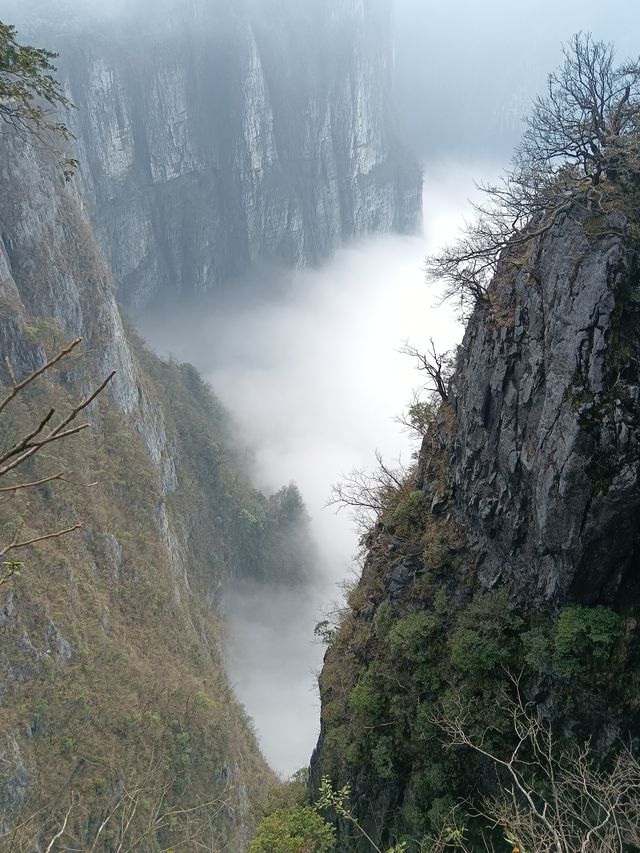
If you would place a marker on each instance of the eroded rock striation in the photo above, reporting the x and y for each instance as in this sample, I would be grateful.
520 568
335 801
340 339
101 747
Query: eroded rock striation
545 452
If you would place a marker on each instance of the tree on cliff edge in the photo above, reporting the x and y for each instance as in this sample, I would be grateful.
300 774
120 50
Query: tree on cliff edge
582 140
30 95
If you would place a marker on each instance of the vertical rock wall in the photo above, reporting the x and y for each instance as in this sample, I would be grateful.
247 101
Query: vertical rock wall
220 137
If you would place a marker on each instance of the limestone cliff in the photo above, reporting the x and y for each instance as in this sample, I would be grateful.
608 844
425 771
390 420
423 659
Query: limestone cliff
216 137
115 709
513 548
545 454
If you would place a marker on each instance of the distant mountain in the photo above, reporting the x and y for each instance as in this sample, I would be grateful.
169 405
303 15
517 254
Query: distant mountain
217 137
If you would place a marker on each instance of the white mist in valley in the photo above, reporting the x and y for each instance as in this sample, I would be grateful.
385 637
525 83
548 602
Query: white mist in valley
313 376
314 379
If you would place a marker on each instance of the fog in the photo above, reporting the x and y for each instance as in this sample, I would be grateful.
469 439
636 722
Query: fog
466 72
314 380
313 375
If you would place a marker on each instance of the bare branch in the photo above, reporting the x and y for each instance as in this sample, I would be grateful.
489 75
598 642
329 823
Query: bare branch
31 443
33 485
18 386
582 139
551 798
35 539
436 365
31 447
368 494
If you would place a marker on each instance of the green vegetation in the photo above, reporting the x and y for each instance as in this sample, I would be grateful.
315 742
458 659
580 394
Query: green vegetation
398 665
584 637
420 673
295 830
336 801
124 692
30 94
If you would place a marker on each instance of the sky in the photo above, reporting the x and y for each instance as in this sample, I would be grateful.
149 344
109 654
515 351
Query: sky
467 70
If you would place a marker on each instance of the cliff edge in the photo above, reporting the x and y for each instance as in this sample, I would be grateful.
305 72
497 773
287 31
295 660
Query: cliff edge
509 558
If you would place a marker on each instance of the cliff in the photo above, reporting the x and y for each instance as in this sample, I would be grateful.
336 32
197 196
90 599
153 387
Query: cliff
217 138
115 707
511 553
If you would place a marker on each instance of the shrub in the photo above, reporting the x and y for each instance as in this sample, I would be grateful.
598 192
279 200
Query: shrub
409 514
583 636
409 638
382 757
383 620
295 830
367 697
485 635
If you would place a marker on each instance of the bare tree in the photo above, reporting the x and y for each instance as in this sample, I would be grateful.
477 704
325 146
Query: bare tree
550 798
47 431
589 117
582 140
367 494
437 367
421 412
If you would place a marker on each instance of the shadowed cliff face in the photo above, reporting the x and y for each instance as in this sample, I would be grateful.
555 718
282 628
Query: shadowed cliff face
519 525
545 453
217 137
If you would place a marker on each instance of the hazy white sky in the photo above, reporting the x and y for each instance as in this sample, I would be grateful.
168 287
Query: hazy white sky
467 70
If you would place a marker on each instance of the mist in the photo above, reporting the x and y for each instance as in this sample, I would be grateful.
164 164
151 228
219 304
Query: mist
314 380
466 72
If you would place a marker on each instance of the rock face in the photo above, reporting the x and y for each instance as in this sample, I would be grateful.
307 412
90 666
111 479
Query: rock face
111 661
219 137
513 547
545 453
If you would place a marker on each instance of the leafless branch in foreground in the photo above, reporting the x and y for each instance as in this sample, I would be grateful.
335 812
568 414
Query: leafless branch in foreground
549 798
44 433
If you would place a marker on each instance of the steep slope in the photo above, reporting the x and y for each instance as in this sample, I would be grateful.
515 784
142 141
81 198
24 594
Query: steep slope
511 553
216 137
114 703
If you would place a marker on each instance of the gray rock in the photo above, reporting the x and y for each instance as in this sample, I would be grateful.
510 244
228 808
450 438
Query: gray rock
400 576
55 642
15 777
545 456
204 154
7 607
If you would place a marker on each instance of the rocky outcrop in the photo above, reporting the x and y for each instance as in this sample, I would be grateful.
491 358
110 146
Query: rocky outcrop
514 546
51 266
545 452
216 138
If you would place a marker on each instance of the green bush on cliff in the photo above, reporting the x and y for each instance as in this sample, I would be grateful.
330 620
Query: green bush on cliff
409 637
409 514
583 636
486 634
294 830
367 697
